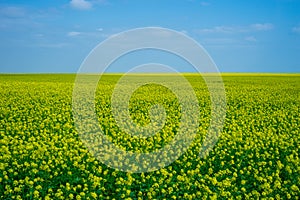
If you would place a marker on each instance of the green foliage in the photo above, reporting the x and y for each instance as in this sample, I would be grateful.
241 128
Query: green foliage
256 157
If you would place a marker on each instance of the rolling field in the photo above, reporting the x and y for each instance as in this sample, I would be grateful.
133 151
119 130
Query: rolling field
256 156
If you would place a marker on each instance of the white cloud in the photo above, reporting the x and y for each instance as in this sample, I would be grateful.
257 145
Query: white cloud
204 3
12 11
250 39
262 27
81 4
73 33
93 34
296 29
219 41
19 18
39 35
53 45
238 29
217 29
100 29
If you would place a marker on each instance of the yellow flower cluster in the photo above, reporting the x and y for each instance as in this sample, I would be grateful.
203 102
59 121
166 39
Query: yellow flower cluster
256 157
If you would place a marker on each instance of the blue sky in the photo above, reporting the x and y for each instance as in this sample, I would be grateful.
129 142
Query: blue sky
240 36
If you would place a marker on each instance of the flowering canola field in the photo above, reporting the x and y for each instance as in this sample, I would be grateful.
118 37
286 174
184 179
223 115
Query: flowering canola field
256 156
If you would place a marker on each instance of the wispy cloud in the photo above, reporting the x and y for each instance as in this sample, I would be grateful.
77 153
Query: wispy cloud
250 39
238 29
219 41
296 29
20 18
12 17
98 33
262 27
52 45
204 3
38 35
73 33
12 11
217 29
81 4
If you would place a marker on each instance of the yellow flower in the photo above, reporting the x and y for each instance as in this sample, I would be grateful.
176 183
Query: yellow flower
38 187
17 189
94 195
295 188
47 197
36 194
68 186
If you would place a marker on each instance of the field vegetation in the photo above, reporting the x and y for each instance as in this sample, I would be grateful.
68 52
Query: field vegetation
256 157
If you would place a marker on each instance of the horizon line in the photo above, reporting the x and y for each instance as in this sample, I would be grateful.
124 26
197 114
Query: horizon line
154 73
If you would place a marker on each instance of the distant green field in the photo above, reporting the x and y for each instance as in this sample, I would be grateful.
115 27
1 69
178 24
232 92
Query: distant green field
256 157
